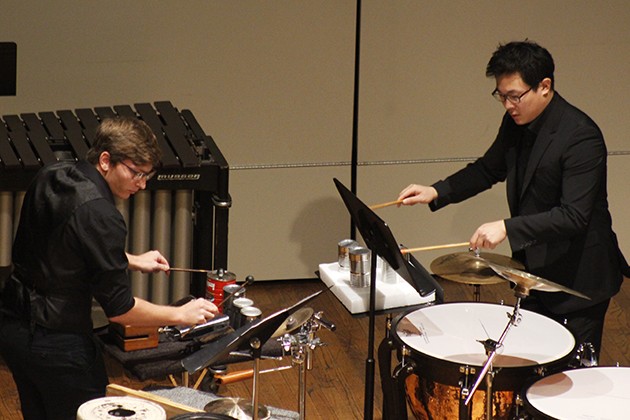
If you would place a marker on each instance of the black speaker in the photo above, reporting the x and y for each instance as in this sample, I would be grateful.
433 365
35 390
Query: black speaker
8 68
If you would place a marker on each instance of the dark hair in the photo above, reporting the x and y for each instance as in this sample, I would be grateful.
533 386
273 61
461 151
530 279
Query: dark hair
530 60
125 138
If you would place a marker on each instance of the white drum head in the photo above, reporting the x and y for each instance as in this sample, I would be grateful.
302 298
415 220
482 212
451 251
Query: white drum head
588 393
452 332
112 408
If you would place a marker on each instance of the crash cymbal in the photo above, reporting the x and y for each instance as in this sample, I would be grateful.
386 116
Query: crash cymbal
237 408
470 268
293 322
525 282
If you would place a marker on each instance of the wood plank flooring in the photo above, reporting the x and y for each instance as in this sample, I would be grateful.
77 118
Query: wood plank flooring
335 385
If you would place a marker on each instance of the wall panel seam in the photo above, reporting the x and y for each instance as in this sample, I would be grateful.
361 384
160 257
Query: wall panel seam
373 162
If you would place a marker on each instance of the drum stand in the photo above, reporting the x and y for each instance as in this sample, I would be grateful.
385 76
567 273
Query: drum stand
491 348
302 346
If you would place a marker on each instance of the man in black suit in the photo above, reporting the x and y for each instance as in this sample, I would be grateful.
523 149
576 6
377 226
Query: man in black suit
553 158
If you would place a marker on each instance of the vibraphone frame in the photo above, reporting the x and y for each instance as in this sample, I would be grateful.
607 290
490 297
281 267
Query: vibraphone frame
191 161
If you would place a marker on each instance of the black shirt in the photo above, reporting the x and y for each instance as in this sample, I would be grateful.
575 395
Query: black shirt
70 247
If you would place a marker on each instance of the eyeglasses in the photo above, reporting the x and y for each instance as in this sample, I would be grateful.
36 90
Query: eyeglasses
514 99
138 175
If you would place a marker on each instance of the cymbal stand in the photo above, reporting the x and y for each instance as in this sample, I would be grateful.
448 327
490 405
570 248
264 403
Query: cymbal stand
476 293
302 345
491 348
256 347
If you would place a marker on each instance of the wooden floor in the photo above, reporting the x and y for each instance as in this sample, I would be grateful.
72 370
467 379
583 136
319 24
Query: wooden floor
335 385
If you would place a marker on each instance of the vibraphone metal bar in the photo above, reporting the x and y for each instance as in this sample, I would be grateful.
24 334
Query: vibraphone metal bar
185 207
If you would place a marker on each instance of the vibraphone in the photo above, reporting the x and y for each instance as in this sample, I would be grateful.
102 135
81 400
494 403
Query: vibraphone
183 212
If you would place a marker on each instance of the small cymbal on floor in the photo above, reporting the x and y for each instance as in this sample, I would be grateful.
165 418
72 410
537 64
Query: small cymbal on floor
237 408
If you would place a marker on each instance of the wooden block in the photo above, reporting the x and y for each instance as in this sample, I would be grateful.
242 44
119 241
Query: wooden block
130 331
138 343
130 338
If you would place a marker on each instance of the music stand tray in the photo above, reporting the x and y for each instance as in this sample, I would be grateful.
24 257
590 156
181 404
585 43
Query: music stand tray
391 296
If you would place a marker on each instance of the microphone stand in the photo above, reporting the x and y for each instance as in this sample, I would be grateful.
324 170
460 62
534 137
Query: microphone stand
491 347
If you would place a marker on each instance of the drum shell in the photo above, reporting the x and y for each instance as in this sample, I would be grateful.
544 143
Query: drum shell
443 371
446 371
434 371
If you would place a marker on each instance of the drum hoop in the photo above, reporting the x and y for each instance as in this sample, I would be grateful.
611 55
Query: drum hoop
532 367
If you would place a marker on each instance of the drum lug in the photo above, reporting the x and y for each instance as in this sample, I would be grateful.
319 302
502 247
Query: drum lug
405 366
405 353
464 390
404 370
464 387
467 370
540 371
586 356
519 408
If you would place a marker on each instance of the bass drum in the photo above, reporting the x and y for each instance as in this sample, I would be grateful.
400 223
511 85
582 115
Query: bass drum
587 393
446 344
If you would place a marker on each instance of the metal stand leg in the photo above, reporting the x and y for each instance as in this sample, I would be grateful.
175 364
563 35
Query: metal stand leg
256 346
302 346
255 389
476 293
489 379
302 384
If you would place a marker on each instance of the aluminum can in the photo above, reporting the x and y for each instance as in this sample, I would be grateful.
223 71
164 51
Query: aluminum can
360 260
343 247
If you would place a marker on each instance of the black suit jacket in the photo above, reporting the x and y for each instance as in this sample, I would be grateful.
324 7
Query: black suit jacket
560 226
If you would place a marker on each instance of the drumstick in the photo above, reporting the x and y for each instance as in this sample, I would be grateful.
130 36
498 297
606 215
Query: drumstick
228 378
434 247
389 203
189 270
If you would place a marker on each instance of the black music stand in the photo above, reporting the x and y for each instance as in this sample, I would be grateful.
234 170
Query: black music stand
239 340
250 337
380 240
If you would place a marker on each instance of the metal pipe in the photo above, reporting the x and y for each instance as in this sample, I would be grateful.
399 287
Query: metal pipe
161 241
182 243
140 233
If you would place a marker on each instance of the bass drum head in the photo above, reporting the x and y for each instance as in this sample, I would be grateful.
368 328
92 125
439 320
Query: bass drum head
587 393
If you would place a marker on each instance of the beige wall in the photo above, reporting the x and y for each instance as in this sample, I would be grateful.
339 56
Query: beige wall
272 82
